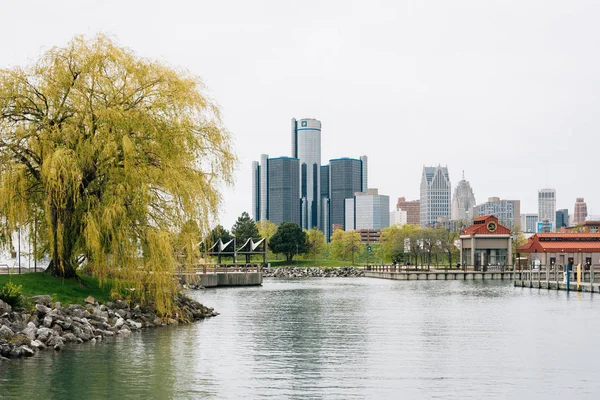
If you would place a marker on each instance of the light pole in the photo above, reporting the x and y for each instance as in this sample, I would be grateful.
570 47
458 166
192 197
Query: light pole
296 255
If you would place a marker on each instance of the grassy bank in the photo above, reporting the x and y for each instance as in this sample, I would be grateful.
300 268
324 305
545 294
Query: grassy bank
67 291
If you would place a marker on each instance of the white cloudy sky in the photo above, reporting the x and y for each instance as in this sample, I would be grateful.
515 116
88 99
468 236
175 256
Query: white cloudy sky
508 91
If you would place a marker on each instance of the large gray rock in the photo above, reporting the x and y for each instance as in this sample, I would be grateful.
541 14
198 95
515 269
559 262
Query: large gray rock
6 333
4 308
43 299
43 334
119 323
26 351
42 309
36 344
47 321
134 325
90 300
30 331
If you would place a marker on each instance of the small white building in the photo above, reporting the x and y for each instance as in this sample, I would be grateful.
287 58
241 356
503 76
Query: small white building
398 217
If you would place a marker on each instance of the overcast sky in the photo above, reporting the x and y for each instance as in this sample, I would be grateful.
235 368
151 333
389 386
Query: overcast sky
508 91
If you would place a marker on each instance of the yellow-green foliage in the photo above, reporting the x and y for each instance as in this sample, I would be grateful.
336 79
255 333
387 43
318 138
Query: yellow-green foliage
344 243
117 159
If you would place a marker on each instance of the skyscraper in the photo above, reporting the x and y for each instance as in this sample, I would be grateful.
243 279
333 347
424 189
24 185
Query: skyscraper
529 223
369 210
345 179
435 195
276 197
562 218
508 212
547 207
463 202
306 146
580 211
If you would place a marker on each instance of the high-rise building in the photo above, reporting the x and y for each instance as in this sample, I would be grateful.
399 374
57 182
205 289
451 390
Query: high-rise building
275 191
508 212
580 211
435 195
529 223
369 210
562 218
412 208
398 217
346 177
547 208
306 147
463 202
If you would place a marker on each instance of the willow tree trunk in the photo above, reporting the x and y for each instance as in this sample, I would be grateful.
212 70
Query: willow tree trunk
65 266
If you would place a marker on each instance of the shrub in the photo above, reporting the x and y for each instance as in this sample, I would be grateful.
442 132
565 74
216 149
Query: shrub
11 294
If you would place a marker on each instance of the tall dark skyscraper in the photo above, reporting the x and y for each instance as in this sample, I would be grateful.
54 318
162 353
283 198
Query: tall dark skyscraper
276 190
562 218
346 177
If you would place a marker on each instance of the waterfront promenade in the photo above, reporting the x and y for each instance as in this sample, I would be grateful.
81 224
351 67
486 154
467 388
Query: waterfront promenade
212 275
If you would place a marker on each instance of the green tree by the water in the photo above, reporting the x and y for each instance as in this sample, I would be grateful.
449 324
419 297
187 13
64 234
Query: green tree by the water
110 155
244 229
289 240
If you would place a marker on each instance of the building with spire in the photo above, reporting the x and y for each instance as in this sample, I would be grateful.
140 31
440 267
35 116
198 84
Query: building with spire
463 202
435 195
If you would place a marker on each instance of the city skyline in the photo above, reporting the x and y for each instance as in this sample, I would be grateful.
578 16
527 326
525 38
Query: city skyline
406 84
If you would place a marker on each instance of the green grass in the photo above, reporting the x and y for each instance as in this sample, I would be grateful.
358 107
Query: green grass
67 291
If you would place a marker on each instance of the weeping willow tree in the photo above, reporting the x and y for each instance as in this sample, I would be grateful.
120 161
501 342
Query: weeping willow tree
116 159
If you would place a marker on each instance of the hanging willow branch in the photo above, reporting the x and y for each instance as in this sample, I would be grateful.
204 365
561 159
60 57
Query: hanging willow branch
121 157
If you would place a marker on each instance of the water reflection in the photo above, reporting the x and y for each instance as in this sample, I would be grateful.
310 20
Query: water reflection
341 339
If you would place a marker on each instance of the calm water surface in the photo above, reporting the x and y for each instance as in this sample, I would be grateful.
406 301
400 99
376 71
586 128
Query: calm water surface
336 338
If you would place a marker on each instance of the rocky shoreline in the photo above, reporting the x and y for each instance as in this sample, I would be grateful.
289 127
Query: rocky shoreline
22 333
344 272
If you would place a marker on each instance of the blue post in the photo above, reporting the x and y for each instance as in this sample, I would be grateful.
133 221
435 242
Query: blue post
568 270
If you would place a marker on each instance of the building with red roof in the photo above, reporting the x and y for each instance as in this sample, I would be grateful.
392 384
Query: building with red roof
561 248
485 243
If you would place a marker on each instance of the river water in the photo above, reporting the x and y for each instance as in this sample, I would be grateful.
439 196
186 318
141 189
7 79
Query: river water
341 338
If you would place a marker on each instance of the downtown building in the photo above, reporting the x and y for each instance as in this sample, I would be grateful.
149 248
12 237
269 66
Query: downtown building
306 147
463 202
529 223
580 211
345 177
546 210
276 190
299 189
562 219
412 209
508 212
369 210
435 196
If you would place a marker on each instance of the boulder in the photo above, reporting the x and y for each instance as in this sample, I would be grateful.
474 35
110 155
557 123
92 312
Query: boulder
43 299
43 334
36 344
6 333
30 331
47 321
119 323
5 308
134 325
26 351
90 300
